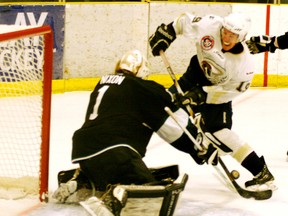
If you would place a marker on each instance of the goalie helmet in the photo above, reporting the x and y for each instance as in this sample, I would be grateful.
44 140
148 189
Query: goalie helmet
238 24
134 62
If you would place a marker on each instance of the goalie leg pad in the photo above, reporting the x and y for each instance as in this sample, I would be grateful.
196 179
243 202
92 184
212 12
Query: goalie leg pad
130 200
153 200
74 186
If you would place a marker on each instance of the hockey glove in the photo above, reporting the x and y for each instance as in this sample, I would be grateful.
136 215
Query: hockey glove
209 155
263 43
282 41
162 38
209 152
194 97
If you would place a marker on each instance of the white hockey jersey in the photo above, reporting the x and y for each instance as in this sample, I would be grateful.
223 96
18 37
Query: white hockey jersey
231 73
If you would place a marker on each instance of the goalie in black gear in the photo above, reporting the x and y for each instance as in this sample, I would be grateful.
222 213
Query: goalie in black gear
123 113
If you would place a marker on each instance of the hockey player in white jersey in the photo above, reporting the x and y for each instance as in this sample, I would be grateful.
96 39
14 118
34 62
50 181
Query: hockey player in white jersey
221 70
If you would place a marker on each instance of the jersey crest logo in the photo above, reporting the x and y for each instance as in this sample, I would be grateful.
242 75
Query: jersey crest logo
207 42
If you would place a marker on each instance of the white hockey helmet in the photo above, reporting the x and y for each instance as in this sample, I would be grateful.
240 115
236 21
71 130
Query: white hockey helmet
134 62
238 24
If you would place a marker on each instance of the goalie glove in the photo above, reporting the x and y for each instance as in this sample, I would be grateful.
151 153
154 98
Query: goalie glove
162 38
263 43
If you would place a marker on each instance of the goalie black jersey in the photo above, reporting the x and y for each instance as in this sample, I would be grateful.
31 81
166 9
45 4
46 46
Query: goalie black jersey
125 111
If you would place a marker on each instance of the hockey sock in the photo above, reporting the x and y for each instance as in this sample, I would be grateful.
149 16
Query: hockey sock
253 163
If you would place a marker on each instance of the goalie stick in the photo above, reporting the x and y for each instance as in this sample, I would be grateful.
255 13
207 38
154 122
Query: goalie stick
258 195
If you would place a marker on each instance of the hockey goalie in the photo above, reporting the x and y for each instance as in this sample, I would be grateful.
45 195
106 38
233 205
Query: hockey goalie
124 111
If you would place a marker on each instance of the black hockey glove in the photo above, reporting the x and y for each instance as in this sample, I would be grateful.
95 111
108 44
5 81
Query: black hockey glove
194 97
162 38
259 44
282 41
209 155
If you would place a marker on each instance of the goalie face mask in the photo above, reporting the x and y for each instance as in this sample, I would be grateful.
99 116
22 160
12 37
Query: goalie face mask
133 61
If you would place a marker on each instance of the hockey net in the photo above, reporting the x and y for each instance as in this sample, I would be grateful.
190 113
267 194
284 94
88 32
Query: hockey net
26 57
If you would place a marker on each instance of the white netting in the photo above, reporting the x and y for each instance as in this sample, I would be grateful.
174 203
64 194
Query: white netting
21 90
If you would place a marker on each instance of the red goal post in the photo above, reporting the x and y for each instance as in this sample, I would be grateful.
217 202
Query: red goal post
26 65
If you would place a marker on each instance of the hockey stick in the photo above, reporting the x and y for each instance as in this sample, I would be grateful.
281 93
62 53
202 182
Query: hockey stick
170 71
258 195
172 75
171 114
221 176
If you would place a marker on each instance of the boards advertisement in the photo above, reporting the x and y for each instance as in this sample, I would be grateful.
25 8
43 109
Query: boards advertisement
39 15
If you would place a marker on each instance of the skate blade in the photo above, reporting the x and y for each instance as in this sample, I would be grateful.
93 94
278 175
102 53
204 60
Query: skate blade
262 187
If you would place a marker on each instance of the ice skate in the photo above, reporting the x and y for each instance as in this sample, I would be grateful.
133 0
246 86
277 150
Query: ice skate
96 207
262 181
110 203
64 191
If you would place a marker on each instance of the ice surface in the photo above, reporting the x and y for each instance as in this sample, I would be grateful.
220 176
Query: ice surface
260 117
